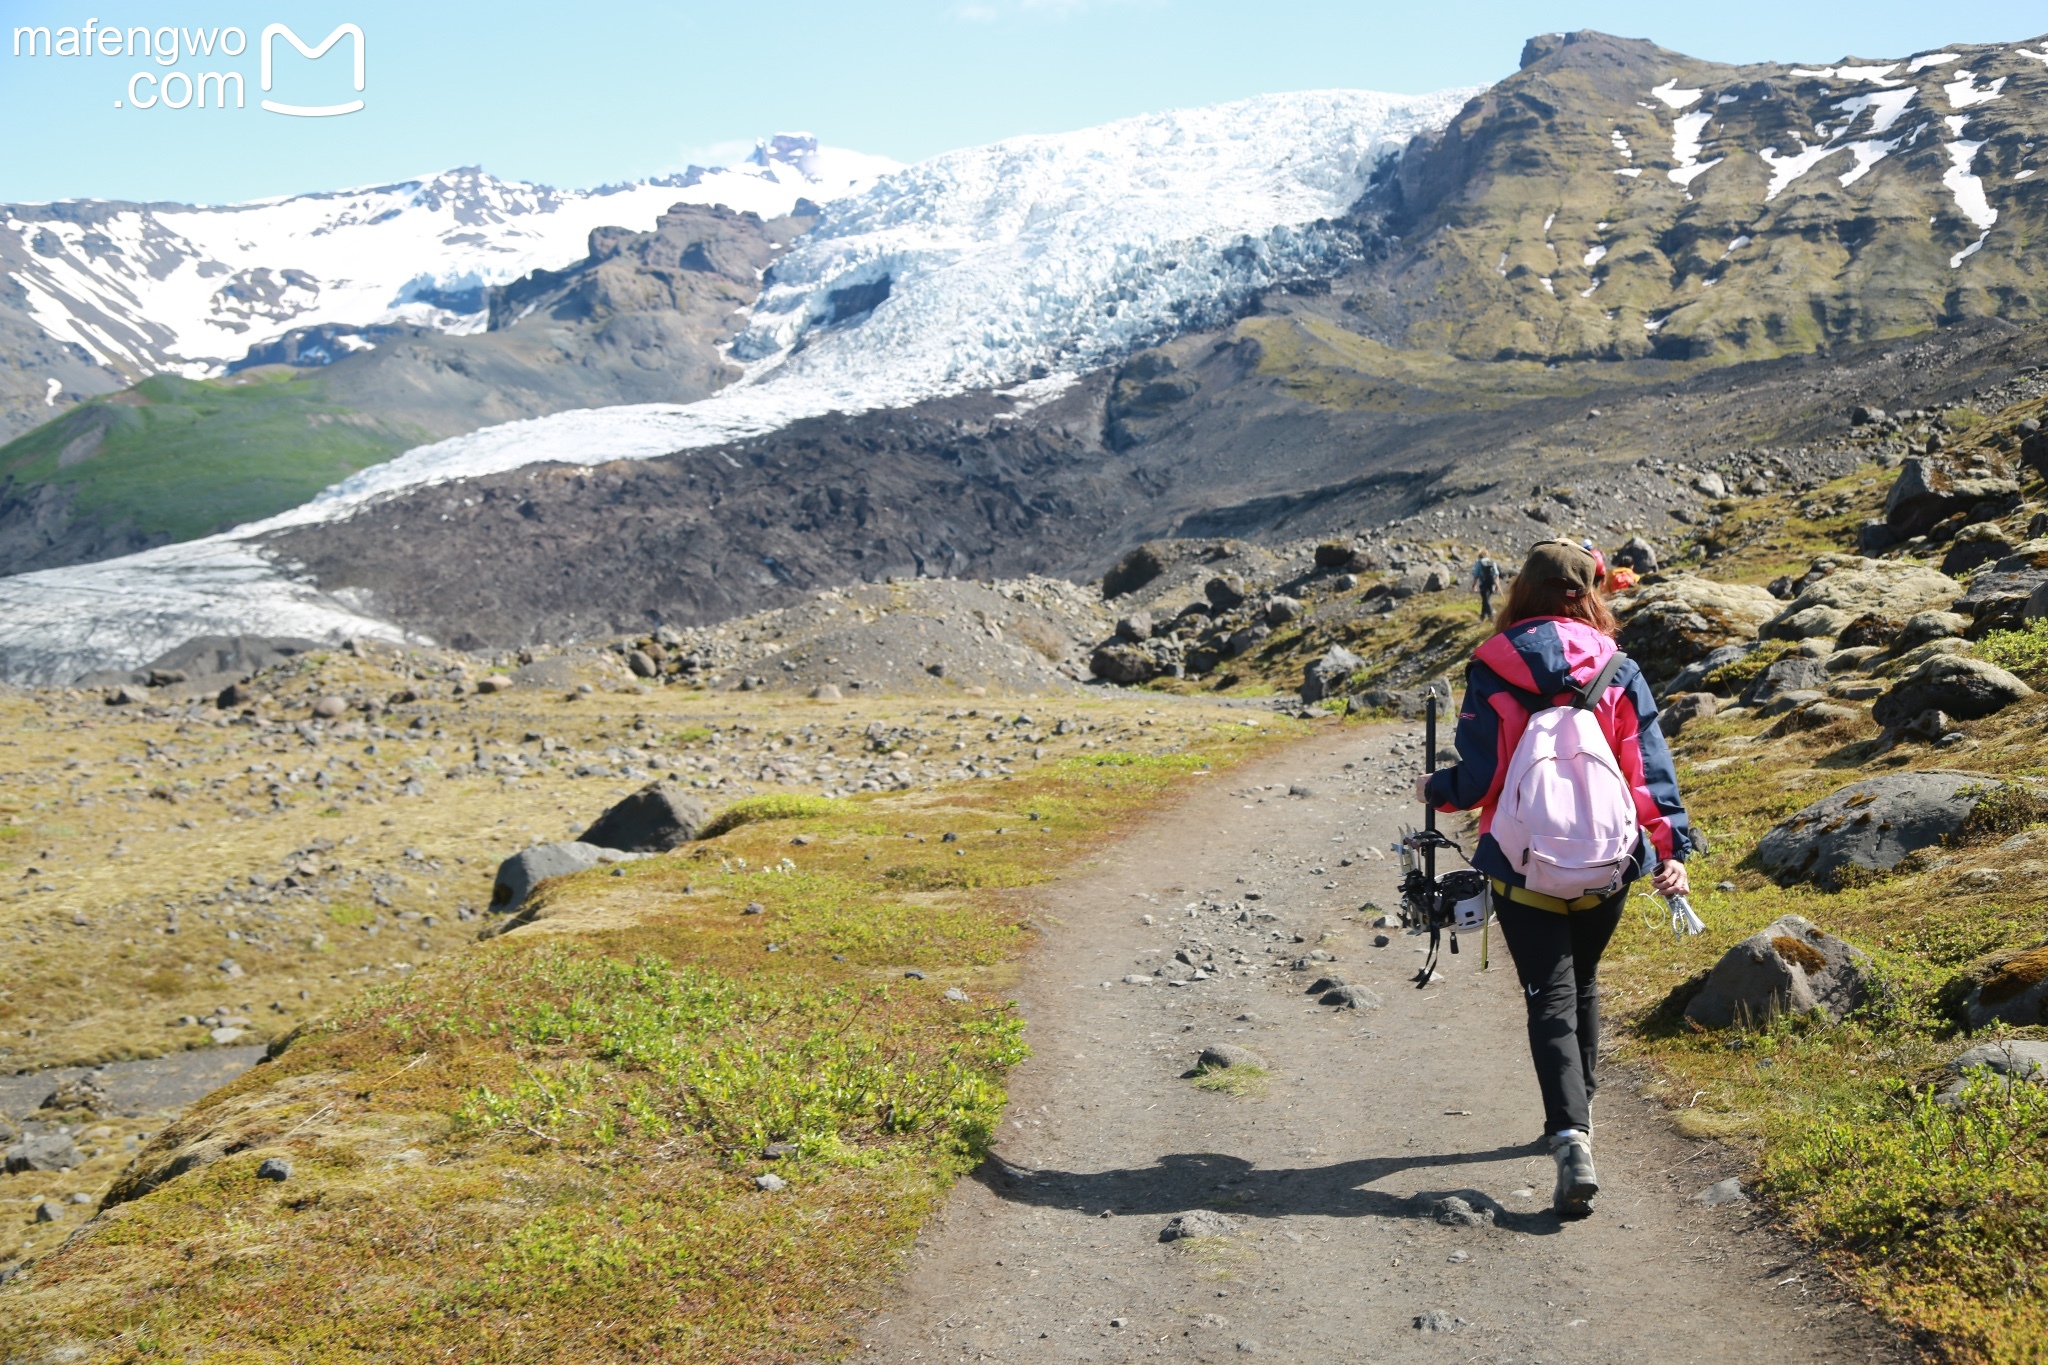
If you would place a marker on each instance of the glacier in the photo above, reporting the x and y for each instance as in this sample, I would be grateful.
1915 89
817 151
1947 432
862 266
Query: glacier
149 288
1019 266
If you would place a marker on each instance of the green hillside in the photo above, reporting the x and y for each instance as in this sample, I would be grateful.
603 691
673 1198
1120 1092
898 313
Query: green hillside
177 458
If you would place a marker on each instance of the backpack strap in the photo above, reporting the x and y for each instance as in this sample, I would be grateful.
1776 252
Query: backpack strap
1597 688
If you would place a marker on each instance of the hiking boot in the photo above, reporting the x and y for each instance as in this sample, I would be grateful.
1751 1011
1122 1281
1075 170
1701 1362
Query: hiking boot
1576 1183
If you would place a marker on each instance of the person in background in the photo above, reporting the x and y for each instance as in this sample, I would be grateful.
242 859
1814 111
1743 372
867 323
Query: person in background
1553 638
1485 582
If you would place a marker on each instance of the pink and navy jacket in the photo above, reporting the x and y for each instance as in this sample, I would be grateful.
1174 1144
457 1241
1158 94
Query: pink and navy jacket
1538 662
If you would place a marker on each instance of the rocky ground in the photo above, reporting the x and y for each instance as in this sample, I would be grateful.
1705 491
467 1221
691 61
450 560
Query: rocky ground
191 876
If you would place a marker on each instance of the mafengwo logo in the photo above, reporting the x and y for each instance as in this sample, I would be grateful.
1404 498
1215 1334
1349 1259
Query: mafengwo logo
187 49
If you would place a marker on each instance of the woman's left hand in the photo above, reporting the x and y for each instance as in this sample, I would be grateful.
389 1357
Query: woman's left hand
1422 789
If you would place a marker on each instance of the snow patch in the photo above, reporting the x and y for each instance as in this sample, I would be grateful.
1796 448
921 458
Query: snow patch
1967 188
1964 93
1887 108
1673 96
1788 168
1919 64
50 395
1630 171
1685 148
1881 75
1595 255
1867 154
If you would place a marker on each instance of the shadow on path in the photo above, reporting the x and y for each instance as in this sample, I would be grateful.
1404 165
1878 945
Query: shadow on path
1180 1181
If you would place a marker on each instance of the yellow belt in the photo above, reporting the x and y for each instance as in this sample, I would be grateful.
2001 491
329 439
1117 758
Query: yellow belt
1522 895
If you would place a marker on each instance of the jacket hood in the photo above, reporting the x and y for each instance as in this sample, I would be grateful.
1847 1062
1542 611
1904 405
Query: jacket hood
1546 655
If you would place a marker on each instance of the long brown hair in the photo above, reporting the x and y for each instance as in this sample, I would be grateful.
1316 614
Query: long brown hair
1529 597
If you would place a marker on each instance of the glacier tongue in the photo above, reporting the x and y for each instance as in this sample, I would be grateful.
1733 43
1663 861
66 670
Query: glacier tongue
1033 256
1033 259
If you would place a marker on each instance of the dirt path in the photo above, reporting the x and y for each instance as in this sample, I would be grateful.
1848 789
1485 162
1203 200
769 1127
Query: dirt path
1052 1252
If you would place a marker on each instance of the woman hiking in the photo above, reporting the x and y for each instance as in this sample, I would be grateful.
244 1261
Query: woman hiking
1579 816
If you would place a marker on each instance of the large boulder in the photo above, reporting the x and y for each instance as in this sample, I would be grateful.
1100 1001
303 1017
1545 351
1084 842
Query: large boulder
1871 824
51 1152
1973 546
520 873
1638 554
654 819
1998 593
1682 619
1226 592
1123 664
1840 589
1793 967
1930 489
1693 677
1326 676
2015 1060
1795 673
2008 988
1683 707
1963 687
1929 625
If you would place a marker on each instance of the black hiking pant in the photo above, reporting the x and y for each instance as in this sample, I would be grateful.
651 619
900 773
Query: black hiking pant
1557 956
1485 603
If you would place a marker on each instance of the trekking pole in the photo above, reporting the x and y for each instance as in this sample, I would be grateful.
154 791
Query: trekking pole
1428 767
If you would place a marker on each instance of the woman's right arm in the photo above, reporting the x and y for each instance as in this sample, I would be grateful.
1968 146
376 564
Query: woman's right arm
1478 739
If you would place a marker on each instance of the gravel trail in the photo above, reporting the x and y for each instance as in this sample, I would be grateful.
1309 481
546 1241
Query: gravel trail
1332 1172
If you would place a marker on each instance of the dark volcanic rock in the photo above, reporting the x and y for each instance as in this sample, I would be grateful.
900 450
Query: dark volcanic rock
520 873
1953 683
1930 489
2008 987
1791 967
1871 824
654 819
1793 674
1327 675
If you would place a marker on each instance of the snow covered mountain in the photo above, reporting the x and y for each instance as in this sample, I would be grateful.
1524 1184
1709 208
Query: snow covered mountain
151 288
1610 202
1023 263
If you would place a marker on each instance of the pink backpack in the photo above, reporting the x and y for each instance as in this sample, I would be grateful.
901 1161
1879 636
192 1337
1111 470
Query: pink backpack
1566 818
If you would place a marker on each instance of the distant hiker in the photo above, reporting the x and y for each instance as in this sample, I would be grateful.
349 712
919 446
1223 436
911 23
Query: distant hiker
1485 582
1578 808
1599 560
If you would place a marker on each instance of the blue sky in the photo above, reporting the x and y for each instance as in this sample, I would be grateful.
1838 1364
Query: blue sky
582 94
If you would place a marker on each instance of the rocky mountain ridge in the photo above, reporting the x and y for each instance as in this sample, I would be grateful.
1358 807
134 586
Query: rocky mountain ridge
95 295
1613 199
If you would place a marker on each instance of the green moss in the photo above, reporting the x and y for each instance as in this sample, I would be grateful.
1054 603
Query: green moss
775 806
